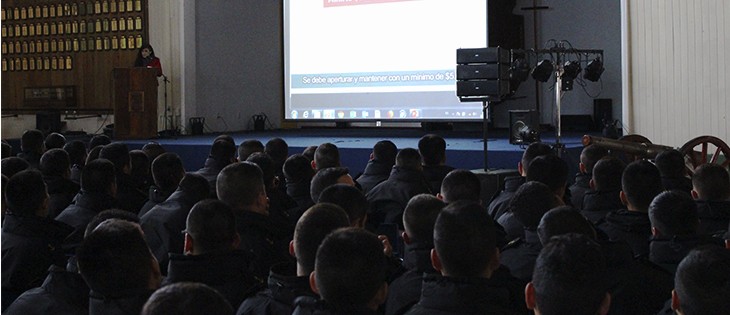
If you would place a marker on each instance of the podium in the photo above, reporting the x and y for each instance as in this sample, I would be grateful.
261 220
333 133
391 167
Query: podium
134 98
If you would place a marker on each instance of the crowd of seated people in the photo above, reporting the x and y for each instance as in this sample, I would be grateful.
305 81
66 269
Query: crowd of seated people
98 229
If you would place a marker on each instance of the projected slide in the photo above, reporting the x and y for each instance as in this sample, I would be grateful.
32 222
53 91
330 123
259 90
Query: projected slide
378 59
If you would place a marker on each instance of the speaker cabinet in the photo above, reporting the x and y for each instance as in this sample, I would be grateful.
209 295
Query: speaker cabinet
518 120
602 111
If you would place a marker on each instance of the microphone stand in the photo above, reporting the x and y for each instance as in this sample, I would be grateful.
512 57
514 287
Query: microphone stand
168 130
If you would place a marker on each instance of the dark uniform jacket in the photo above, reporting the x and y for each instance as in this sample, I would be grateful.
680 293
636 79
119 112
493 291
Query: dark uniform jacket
389 198
284 286
435 175
714 215
312 306
668 252
500 202
128 196
62 293
130 304
677 183
86 206
580 187
61 193
597 204
519 256
154 197
210 171
283 211
405 291
299 191
632 227
268 243
374 173
33 158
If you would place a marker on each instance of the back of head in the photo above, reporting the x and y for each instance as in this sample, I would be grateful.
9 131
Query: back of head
298 168
563 220
226 138
222 151
590 156
570 276
316 223
99 140
266 163
408 159
239 184
98 176
419 217
195 186
324 178
55 162
187 298
115 261
32 141
153 150
385 152
640 183
432 149
309 151
167 171
550 170
110 214
710 181
117 153
464 237
93 153
277 149
76 150
674 213
702 281
54 140
327 155
7 149
349 198
26 194
531 201
12 165
607 174
534 150
671 163
212 226
249 147
139 164
350 268
461 184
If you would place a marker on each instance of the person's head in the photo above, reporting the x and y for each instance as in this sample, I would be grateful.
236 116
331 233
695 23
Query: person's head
146 51
385 151
100 217
465 242
153 150
419 217
117 153
76 150
12 165
709 182
7 149
32 141
550 170
99 140
54 140
277 149
241 186
195 186
223 151
225 137
607 174
3 201
673 213
570 277
326 155
532 151
350 199
702 282
93 154
308 152
461 184
531 201
139 165
563 220
249 147
432 149
590 156
313 226
187 298
328 177
408 159
167 171
266 163
297 168
671 163
640 183
115 261
98 176
350 270
210 227
55 162
26 194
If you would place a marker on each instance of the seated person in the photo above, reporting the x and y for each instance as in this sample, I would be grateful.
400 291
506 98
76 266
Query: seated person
711 190
98 193
249 147
278 150
282 208
12 165
606 188
349 199
672 167
327 177
552 171
31 147
140 171
77 154
167 172
222 153
298 173
379 166
432 149
588 159
187 298
56 170
54 140
461 184
326 155
702 283
129 197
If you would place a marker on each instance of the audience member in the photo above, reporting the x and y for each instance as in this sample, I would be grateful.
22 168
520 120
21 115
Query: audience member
31 147
77 154
589 156
281 206
98 193
167 172
222 153
7 149
153 150
249 147
432 149
379 166
129 197
711 190
187 298
3 203
350 199
227 138
563 220
278 150
672 167
308 153
328 177
552 171
13 165
93 153
55 167
702 283
140 170
54 140
605 191
298 173
326 155
461 184
99 140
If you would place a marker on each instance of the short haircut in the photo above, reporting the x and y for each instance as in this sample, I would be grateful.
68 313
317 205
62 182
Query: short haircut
187 298
54 162
432 149
98 176
570 276
226 138
711 181
7 149
351 199
640 183
93 154
385 151
325 178
139 164
222 151
277 149
212 226
249 147
168 171
350 268
32 140
195 186
464 237
409 159
563 220
671 163
419 217
461 184
702 281
308 152
298 168
99 140
590 156
25 193
674 213
327 155
550 170
114 259
110 214
76 150
530 202
313 226
12 165
153 150
239 184
117 153
54 140
266 163
607 174
534 150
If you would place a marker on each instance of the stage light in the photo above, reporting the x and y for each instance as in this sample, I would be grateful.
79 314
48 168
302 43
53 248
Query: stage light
519 70
571 69
543 71
593 70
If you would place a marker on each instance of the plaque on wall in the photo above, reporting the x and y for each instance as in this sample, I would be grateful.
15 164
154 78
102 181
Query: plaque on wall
53 28
16 14
105 6
59 10
136 101
97 26
24 64
97 7
5 64
138 41
60 28
46 63
39 63
17 30
82 45
51 11
54 46
130 6
138 5
69 63
61 64
2 14
31 30
25 47
31 12
122 6
31 47
68 44
11 66
4 31
75 27
130 42
23 13
114 25
113 6
39 29
138 23
123 42
115 43
11 49
76 44
82 8
31 64
38 11
5 48
74 9
89 7
67 27
24 30
54 63
122 24
82 27
17 64
107 43
98 44
130 23
45 11
105 25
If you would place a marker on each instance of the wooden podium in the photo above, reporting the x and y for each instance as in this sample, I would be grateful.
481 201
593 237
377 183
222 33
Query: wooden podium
135 103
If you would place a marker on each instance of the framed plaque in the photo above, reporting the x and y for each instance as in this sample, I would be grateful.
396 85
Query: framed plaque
123 42
4 31
11 48
17 30
23 13
97 7
5 48
38 11
67 9
31 12
130 6
138 41
51 11
31 30
89 7
137 5
105 25
60 28
52 29
69 63
39 29
130 42
31 63
75 27
5 64
82 8
54 63
98 44
82 45
67 27
122 6
122 24
105 6
2 14
136 101
24 64
25 47
138 23
24 30
113 6
97 26
59 10
130 23
114 25
107 43
16 14
46 63
61 64
91 43
54 45
31 47
82 27
74 9
11 65
45 11
76 44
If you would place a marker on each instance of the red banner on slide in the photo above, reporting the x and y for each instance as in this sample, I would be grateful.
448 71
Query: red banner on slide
340 3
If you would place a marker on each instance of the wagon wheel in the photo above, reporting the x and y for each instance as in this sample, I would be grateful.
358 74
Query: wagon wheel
627 157
697 152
